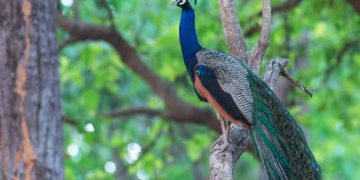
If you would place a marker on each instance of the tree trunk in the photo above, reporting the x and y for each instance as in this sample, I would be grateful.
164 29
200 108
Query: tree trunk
31 133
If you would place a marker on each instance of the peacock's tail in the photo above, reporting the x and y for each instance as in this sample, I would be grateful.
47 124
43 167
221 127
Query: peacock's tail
280 142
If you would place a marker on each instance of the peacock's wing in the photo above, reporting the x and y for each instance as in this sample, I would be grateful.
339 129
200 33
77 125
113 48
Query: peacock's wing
280 142
232 78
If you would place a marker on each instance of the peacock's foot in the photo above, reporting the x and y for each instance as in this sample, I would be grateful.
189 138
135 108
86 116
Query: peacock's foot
221 145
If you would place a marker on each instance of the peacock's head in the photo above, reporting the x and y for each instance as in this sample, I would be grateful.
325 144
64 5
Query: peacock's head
182 3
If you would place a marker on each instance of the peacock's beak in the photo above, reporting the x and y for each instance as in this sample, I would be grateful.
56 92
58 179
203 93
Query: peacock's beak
173 2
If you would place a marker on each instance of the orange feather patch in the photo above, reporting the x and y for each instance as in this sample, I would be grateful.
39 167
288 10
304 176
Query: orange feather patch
204 93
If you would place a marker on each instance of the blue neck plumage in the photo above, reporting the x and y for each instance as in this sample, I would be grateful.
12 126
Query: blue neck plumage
188 39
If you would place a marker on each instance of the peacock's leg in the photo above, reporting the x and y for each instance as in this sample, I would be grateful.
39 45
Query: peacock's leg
224 129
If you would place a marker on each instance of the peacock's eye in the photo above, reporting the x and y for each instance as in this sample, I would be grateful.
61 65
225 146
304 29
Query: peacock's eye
181 2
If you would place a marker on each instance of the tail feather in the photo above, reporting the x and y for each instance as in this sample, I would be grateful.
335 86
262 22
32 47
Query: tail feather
280 143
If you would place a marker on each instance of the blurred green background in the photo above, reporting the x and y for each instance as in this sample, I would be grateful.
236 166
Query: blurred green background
320 38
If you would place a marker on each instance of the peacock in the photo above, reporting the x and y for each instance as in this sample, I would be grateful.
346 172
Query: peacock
241 97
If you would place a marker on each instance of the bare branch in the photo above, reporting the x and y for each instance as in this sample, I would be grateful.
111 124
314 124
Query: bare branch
222 161
258 51
232 29
128 54
275 68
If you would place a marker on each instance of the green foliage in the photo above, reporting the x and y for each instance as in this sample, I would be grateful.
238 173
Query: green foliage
94 82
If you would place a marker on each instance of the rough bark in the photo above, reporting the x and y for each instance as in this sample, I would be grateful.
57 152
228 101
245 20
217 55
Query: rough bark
31 144
232 29
222 161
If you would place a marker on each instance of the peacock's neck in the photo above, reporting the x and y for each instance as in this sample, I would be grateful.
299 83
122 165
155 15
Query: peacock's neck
188 39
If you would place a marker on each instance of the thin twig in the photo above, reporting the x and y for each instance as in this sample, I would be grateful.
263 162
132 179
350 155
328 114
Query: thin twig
296 83
275 68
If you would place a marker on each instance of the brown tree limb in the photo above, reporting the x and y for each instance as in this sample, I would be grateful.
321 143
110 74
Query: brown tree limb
259 50
222 161
275 68
232 29
296 83
177 109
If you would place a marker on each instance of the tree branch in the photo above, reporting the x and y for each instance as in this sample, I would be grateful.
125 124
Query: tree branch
296 83
232 29
259 50
222 161
273 70
177 109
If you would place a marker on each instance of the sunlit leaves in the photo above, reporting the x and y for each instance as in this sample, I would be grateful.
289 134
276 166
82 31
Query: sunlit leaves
195 146
94 82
